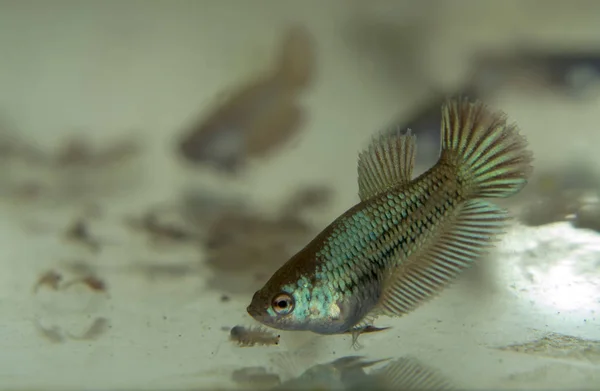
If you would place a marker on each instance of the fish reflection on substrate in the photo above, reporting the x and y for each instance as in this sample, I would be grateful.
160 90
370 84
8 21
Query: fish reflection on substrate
348 373
260 116
256 378
408 238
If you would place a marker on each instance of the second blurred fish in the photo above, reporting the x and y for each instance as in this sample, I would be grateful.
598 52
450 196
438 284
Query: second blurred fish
260 116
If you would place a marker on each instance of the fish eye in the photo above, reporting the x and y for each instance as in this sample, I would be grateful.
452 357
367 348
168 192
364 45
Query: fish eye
283 304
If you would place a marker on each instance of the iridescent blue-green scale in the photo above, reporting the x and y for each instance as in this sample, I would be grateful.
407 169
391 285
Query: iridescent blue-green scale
382 232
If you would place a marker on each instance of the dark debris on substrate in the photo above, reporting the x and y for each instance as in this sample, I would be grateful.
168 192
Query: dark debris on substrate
76 170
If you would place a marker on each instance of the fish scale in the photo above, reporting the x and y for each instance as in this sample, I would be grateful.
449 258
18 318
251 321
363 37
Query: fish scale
385 243
408 238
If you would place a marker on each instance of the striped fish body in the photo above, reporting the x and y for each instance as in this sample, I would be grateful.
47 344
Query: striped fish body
408 238
354 254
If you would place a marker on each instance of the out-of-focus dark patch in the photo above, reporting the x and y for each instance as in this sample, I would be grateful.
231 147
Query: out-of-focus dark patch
393 50
588 217
225 299
310 197
76 170
564 72
568 193
243 246
79 232
256 378
567 73
157 271
76 152
160 230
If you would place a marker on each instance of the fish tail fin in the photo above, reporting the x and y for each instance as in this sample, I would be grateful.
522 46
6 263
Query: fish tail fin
490 156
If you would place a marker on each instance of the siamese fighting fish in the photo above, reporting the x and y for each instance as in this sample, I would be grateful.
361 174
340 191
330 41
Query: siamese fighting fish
407 239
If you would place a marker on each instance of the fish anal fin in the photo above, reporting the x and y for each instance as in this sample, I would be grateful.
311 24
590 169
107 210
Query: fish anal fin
463 240
387 162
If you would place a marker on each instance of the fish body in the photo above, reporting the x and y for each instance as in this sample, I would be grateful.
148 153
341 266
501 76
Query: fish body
408 238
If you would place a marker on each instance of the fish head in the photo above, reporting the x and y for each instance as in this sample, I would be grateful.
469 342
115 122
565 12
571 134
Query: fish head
295 298
275 307
300 305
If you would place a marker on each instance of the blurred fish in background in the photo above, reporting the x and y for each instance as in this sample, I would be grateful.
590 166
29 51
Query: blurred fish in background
259 116
396 49
568 74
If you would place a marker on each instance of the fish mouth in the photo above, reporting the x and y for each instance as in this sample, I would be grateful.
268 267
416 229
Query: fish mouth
253 312
257 308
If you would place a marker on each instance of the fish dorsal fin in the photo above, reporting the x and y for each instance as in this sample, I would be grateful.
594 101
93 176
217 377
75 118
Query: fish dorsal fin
462 240
387 162
408 373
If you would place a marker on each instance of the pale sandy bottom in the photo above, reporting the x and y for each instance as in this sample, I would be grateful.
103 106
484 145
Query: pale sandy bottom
147 67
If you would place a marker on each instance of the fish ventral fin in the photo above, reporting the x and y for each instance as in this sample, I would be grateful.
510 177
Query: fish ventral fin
490 156
387 162
459 243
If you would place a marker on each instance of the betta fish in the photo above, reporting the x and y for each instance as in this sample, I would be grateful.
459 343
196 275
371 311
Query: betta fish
407 239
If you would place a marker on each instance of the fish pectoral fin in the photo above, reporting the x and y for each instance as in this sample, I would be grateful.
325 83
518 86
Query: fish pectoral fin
462 241
357 331
366 329
408 373
387 162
